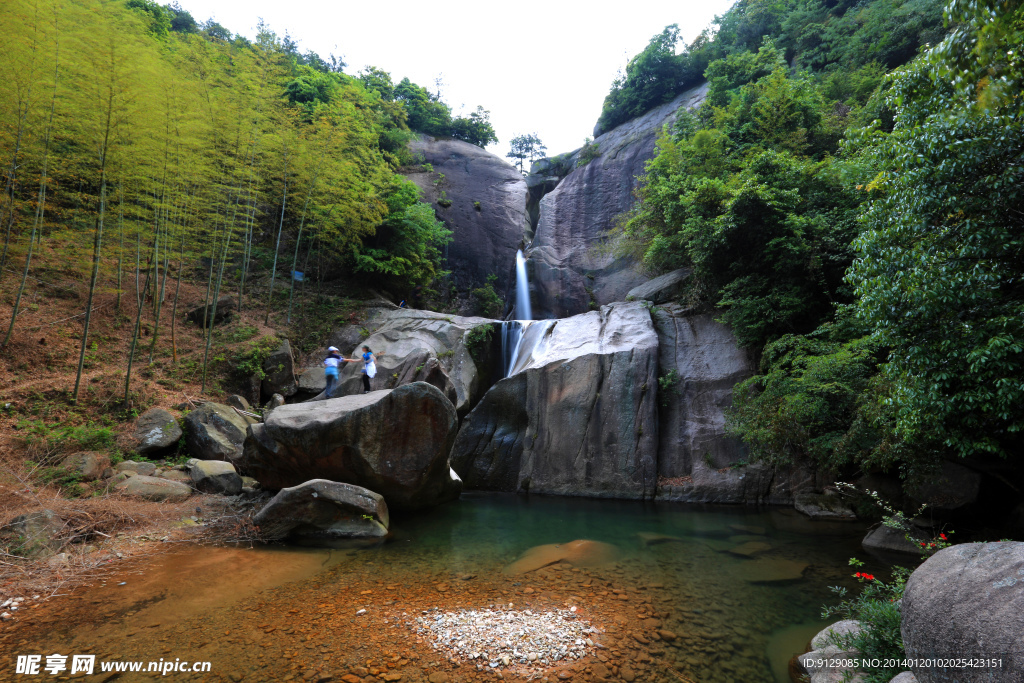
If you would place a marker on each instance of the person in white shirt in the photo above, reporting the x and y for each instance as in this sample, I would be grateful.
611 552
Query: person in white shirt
331 364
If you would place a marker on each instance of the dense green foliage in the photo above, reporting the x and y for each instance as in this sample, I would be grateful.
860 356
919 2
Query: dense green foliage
833 40
858 229
941 257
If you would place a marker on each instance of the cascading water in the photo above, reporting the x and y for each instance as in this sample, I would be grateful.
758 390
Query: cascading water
512 330
523 311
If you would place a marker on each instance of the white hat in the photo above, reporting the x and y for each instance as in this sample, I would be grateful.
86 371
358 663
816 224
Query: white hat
332 348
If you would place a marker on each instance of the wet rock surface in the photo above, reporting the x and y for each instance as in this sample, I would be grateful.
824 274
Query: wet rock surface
578 416
395 442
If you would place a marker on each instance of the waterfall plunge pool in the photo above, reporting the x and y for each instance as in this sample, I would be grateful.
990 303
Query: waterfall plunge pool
704 574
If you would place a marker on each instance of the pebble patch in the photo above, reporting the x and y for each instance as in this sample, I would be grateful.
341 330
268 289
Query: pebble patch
502 638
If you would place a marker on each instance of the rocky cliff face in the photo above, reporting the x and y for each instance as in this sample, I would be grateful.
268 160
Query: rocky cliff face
568 277
578 416
703 362
482 200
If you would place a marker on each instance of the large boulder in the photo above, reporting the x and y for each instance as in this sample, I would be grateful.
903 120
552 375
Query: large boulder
156 431
154 489
215 431
824 506
568 274
36 534
312 380
89 465
967 601
323 509
423 346
661 289
215 476
395 442
279 372
482 199
891 540
225 307
577 415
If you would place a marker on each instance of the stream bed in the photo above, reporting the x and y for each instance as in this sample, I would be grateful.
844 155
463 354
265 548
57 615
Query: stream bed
694 594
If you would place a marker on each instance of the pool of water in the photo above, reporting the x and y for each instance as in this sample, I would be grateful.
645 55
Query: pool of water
741 588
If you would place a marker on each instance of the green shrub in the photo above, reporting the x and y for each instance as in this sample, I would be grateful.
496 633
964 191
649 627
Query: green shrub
486 300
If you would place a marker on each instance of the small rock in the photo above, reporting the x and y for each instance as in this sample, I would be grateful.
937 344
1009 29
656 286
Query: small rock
360 612
626 674
437 677
133 468
667 636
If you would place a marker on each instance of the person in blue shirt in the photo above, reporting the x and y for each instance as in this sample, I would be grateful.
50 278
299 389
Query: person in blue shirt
369 362
331 364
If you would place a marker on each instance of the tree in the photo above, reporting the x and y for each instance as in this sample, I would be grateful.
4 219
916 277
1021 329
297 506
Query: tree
940 261
526 148
475 129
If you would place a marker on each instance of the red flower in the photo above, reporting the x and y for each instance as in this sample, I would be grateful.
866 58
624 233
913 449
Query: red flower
923 544
942 536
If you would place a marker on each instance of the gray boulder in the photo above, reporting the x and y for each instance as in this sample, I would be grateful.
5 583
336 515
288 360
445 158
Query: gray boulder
156 431
967 601
279 372
824 506
396 442
215 431
276 401
236 401
486 208
567 272
703 358
661 289
176 475
578 414
890 540
215 476
905 677
321 509
89 465
312 380
836 633
36 533
952 487
154 489
414 345
133 467
225 307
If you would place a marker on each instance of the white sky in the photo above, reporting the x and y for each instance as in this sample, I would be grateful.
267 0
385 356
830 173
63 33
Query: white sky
538 67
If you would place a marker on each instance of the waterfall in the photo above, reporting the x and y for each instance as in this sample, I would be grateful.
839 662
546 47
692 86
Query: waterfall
512 330
523 311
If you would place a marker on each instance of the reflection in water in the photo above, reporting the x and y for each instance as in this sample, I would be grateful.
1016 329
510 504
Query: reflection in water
702 575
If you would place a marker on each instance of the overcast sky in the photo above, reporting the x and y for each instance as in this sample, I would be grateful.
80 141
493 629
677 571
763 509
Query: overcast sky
541 67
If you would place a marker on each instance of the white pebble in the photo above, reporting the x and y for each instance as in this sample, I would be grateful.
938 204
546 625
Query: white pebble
360 612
